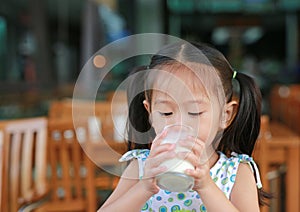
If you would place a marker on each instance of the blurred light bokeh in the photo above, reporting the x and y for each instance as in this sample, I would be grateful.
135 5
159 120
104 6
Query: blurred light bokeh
45 43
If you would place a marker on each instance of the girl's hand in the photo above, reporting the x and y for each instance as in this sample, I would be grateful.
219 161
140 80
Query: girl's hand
201 173
158 154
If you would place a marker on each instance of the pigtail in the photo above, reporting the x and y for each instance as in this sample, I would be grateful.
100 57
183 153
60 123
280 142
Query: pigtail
139 129
242 133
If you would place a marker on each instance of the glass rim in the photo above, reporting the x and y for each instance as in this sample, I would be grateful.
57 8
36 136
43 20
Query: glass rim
178 125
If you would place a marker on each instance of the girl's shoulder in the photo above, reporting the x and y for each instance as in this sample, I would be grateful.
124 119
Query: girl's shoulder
140 154
235 157
232 163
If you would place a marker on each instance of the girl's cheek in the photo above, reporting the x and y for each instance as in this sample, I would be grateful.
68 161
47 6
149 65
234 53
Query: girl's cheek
204 130
158 125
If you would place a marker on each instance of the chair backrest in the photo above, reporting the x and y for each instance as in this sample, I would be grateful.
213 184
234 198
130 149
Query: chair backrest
271 159
62 109
285 105
261 154
112 117
24 163
2 156
72 172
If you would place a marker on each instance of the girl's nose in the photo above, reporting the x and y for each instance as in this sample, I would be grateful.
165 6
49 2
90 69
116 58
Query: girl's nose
177 119
180 119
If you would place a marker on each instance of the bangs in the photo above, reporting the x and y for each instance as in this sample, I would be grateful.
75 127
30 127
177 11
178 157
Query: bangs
191 76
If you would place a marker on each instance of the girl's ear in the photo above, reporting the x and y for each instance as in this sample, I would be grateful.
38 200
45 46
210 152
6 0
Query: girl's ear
146 105
229 112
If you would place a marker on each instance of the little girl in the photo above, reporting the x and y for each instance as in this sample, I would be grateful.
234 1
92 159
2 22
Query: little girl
191 84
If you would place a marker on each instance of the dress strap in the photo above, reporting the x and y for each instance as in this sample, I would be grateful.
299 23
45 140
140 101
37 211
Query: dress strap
139 154
246 158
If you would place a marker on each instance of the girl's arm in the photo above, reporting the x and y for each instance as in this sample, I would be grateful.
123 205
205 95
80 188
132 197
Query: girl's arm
134 193
130 192
244 195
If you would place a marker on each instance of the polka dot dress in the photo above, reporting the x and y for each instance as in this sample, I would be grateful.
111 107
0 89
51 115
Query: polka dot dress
223 174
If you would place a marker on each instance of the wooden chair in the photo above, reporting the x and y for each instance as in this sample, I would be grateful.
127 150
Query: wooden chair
74 176
104 111
277 96
293 110
262 156
23 163
62 109
275 150
285 105
2 156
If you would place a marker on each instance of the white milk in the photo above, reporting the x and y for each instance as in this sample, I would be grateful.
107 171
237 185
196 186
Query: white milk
175 179
176 164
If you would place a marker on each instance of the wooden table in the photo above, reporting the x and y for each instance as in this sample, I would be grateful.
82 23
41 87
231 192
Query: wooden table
284 147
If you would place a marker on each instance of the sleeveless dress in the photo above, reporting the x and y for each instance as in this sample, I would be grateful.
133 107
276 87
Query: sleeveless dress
223 174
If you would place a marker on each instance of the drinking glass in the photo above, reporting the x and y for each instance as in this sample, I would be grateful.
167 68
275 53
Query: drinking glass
175 179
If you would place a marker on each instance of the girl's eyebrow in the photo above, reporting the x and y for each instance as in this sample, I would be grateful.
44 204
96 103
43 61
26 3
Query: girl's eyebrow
162 101
194 101
198 101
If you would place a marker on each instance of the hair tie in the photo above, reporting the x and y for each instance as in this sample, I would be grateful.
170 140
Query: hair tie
234 74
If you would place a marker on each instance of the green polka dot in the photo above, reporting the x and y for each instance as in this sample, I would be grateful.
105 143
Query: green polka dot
146 206
170 199
202 208
180 196
224 181
163 209
188 202
215 179
175 208
232 178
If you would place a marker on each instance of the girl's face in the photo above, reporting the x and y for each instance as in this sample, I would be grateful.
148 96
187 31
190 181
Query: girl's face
179 97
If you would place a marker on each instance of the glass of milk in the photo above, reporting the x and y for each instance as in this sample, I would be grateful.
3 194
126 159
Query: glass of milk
175 179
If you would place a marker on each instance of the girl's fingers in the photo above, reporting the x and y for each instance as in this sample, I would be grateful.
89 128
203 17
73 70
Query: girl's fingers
196 173
158 154
158 139
190 157
160 158
154 166
197 151
153 172
157 147
163 148
194 144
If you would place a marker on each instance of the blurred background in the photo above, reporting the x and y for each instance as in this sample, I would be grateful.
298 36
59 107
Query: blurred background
45 43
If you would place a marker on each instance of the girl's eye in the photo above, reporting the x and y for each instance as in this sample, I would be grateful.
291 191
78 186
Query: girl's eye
165 114
195 114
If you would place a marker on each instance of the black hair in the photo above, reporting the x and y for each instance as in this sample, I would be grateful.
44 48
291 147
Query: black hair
240 136
140 132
